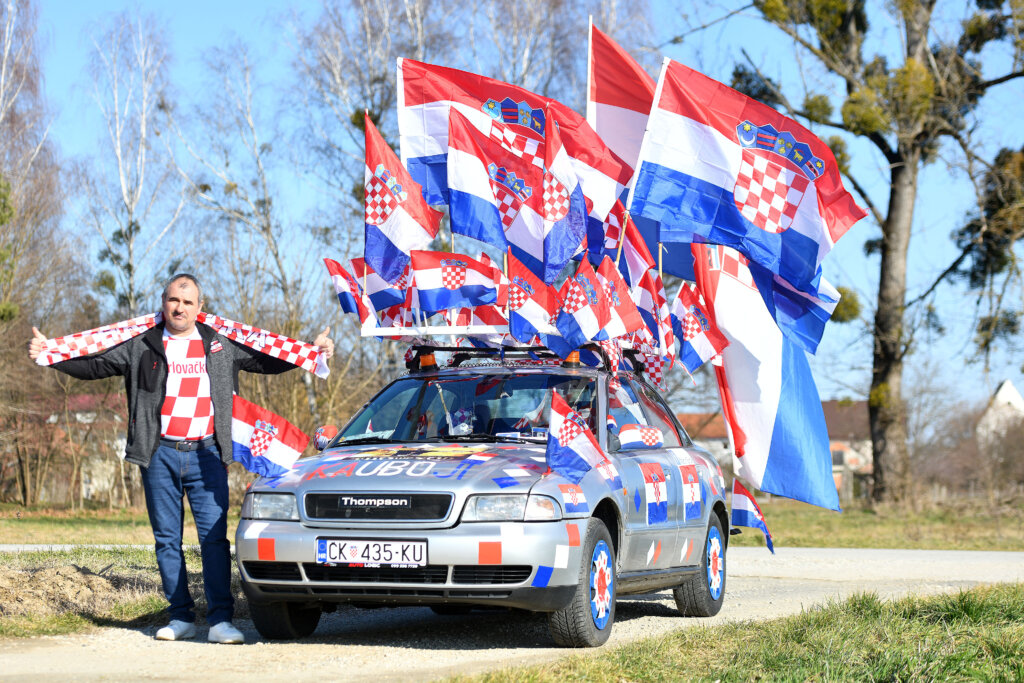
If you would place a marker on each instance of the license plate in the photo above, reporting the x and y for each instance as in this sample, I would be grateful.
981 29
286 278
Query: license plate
364 552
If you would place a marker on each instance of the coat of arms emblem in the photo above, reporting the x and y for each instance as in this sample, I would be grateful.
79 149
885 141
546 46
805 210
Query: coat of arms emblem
263 435
453 273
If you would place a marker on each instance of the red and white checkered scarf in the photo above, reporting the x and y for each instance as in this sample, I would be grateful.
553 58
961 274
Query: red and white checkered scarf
303 354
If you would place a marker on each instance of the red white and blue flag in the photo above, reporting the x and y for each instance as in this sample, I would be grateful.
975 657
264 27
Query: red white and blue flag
381 293
349 293
584 312
444 280
532 304
572 450
624 317
426 95
573 498
769 398
655 492
619 96
652 303
718 167
694 326
397 218
637 437
693 494
528 200
265 443
746 512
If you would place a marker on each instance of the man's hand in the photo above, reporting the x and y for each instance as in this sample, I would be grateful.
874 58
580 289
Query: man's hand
323 341
35 346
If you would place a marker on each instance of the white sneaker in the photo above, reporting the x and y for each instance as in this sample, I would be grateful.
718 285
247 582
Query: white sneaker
177 630
225 632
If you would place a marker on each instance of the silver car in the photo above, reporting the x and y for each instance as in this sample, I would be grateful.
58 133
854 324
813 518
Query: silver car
438 493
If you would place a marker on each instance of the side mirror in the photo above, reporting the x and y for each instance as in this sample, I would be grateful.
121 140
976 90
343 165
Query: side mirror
323 436
634 437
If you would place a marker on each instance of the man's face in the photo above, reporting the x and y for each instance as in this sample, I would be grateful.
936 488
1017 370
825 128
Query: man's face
181 306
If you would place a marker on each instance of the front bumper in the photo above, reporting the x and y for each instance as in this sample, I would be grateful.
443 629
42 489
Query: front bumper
528 565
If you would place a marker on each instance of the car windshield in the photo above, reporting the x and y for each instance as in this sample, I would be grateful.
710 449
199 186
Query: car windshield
486 407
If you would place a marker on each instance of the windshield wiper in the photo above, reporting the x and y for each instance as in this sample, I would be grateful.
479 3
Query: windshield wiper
367 439
475 436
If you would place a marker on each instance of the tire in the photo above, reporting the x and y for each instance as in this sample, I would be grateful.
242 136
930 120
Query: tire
587 620
283 620
703 593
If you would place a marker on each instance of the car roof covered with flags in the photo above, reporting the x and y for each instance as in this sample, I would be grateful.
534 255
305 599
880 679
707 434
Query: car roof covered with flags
503 479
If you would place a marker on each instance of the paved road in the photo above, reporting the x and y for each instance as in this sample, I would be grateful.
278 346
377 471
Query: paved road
414 644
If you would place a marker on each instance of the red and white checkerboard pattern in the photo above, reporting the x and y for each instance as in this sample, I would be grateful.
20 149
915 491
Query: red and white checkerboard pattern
522 146
556 199
453 277
302 354
612 231
379 201
575 297
187 411
516 297
654 368
691 326
94 340
508 204
569 429
767 192
260 442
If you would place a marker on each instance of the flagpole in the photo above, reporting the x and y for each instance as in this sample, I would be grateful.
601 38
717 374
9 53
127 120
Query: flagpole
622 237
660 247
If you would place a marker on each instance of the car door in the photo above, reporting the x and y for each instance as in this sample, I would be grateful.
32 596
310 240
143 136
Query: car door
690 507
651 479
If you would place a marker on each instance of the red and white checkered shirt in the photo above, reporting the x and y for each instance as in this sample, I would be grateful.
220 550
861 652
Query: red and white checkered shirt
187 412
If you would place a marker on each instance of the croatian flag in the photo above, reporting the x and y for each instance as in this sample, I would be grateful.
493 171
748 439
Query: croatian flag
426 95
745 512
527 199
692 491
381 293
699 337
624 318
572 450
532 304
769 399
445 280
500 281
619 96
718 167
265 443
651 302
573 499
655 492
638 437
397 218
800 316
585 310
349 295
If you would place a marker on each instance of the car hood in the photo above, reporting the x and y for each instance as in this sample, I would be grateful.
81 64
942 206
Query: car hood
421 467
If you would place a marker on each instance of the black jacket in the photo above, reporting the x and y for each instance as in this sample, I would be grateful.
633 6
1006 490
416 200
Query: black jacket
143 364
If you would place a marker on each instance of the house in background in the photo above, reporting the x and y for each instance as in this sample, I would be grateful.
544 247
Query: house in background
1004 411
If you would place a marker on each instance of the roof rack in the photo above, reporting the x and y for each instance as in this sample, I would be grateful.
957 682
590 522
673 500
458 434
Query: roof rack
422 357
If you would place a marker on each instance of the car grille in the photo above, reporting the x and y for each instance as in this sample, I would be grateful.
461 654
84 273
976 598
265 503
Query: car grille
431 574
434 573
273 571
359 506
496 574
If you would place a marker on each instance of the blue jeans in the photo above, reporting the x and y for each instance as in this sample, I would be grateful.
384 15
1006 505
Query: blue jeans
203 478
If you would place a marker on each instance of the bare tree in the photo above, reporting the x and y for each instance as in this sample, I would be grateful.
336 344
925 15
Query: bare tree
134 195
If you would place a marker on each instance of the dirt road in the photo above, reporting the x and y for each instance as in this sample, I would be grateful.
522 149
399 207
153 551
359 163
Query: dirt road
413 643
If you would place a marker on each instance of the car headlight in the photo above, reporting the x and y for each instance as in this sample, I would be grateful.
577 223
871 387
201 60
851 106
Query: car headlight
270 506
511 508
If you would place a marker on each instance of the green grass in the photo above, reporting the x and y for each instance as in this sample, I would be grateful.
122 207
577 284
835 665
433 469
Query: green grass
972 635
93 527
954 527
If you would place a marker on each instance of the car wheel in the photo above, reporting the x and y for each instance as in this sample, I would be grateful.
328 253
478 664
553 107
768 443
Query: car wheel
587 620
702 594
283 620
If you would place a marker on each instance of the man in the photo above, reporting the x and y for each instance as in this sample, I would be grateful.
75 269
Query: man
180 377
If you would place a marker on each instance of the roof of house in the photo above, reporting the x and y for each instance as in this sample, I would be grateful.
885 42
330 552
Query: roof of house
847 420
703 426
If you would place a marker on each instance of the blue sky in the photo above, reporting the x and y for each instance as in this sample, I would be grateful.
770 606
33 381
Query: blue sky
192 27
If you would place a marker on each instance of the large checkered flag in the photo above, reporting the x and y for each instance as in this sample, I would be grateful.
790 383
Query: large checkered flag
398 220
572 449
